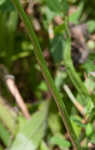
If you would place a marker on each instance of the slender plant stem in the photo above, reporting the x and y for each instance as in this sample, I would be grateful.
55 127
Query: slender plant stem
47 75
71 70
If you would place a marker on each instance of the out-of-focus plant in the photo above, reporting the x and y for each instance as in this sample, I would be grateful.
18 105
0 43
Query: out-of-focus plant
45 131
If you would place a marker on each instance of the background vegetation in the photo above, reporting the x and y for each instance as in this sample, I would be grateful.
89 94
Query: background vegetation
29 116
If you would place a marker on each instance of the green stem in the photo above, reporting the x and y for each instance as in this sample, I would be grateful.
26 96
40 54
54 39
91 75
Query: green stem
71 70
47 75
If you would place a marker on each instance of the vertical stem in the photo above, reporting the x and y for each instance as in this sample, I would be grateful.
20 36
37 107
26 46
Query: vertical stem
47 75
71 70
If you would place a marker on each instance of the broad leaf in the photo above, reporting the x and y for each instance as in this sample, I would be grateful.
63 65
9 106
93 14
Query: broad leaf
31 134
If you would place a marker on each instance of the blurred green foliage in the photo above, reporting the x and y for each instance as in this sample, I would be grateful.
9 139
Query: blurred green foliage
44 131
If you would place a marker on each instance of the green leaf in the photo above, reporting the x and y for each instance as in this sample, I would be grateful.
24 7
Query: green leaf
10 118
4 134
92 140
8 24
60 78
72 1
2 1
89 65
77 125
43 146
89 129
58 6
60 141
31 134
54 5
74 17
12 21
91 26
59 29
54 121
57 46
42 86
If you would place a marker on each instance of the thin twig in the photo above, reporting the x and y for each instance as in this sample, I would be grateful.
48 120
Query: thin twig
74 101
10 82
15 92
